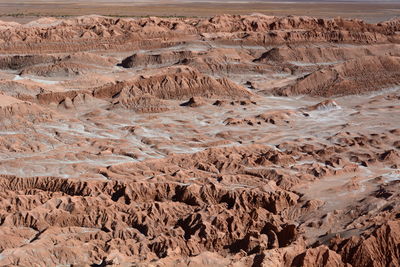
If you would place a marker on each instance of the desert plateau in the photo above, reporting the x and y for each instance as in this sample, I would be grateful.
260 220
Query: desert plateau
223 140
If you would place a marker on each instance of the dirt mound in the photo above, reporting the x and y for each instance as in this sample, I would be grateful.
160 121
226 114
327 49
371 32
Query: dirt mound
194 102
62 69
19 89
324 106
277 117
223 61
220 61
174 83
79 100
89 59
55 65
144 60
325 55
143 104
357 76
21 61
12 107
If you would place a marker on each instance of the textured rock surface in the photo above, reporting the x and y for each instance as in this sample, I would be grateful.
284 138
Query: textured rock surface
226 141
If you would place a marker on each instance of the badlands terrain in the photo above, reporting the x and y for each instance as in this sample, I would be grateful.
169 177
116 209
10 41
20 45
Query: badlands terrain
225 141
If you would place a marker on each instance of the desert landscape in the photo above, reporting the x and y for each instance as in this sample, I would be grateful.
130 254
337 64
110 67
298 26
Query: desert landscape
371 11
229 140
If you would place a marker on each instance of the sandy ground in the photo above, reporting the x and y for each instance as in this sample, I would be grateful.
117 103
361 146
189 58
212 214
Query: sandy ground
24 11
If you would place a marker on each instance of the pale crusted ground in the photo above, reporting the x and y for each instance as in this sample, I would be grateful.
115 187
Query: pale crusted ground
235 140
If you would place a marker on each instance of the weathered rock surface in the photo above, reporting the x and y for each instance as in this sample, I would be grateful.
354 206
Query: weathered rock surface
224 141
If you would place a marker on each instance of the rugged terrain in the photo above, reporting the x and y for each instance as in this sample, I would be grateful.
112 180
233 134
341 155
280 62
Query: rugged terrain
228 141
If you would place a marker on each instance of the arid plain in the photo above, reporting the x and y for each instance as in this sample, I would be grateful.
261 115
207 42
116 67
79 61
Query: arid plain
216 140
370 11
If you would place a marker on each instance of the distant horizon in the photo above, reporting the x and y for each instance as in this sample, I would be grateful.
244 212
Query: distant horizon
371 11
199 1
